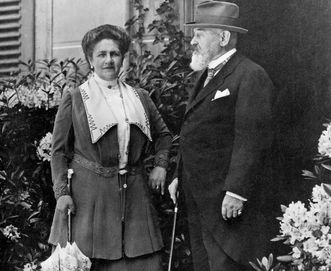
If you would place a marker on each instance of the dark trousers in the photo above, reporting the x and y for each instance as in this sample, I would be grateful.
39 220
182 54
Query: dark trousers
207 254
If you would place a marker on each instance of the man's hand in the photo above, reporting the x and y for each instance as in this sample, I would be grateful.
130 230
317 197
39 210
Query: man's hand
231 207
64 203
157 179
172 188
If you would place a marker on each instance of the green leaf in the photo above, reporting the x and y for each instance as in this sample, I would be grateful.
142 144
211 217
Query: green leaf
278 238
25 205
308 174
35 220
327 188
326 166
317 169
287 242
255 266
32 215
285 258
265 263
4 126
259 262
271 258
187 252
3 175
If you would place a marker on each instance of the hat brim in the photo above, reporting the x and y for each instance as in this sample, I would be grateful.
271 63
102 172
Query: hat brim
226 27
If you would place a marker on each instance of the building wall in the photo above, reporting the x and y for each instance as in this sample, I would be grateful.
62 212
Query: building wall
72 19
54 28
61 24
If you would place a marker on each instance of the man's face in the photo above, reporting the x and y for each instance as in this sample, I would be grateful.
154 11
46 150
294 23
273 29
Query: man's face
206 46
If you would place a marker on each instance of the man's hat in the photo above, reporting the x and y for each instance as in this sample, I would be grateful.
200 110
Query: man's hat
217 14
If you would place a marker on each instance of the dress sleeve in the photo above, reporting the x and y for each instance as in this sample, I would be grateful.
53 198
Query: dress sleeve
178 169
160 133
62 145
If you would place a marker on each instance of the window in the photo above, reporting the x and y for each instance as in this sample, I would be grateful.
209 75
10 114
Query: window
10 37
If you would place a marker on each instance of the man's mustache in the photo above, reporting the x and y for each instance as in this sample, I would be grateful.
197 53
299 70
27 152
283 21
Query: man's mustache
109 67
195 49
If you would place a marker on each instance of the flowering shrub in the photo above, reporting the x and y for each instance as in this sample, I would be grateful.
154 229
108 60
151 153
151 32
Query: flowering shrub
36 96
307 228
30 267
42 84
324 142
11 233
44 147
28 104
322 160
308 232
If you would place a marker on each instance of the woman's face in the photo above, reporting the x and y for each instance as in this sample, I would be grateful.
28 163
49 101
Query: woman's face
106 59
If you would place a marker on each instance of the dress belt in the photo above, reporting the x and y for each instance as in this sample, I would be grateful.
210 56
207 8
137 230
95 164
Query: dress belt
104 171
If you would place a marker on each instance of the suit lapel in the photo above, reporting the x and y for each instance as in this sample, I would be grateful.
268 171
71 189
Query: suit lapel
202 77
214 84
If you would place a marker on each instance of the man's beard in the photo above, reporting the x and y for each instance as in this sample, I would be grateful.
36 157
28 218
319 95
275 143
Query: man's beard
199 60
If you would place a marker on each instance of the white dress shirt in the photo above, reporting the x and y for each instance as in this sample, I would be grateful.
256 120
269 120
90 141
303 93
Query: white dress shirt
214 63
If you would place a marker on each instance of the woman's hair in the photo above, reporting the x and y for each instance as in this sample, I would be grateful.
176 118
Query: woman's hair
106 31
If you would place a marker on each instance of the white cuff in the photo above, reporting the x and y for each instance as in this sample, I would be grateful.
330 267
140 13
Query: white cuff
235 196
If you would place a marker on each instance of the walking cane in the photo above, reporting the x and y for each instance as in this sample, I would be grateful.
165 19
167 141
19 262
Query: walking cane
70 173
173 235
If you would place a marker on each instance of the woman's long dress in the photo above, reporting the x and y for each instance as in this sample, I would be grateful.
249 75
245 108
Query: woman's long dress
98 226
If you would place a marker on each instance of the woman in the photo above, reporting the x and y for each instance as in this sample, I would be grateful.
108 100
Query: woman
102 131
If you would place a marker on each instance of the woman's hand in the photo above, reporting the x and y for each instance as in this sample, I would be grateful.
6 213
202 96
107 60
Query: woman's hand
157 179
64 203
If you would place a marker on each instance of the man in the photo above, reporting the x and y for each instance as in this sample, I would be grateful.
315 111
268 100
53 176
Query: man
224 142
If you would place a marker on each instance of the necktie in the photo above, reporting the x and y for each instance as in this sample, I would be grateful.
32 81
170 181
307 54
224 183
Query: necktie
210 75
211 72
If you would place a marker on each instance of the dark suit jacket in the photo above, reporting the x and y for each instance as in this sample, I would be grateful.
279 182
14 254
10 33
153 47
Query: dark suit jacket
224 146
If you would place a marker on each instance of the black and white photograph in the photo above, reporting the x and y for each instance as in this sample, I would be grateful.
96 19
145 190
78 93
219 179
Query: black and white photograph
165 135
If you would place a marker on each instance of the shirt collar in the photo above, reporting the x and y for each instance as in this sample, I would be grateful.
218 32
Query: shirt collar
105 83
214 63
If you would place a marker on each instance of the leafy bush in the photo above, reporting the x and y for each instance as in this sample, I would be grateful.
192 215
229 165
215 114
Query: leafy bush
166 76
28 106
306 228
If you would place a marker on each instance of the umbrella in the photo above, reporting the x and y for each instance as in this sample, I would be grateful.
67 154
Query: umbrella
173 236
68 258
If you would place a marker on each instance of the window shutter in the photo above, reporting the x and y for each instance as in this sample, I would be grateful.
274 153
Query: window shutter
10 37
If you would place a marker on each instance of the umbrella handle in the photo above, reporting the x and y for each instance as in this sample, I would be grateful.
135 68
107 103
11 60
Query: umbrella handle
70 173
69 226
173 236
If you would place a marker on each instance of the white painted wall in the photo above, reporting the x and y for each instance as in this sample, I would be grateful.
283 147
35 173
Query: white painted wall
73 18
43 29
61 24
